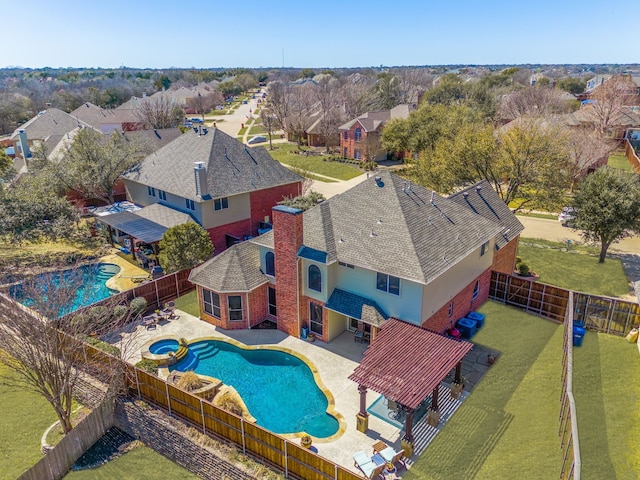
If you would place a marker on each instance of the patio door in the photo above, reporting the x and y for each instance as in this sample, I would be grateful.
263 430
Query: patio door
272 302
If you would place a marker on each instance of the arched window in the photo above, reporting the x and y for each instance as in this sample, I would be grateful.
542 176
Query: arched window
315 278
476 290
357 134
270 264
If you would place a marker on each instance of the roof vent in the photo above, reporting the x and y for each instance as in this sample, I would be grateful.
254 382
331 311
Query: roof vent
465 194
404 187
372 234
478 188
379 181
433 194
379 221
410 189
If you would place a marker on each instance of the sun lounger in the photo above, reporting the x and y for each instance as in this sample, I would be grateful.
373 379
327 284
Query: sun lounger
370 467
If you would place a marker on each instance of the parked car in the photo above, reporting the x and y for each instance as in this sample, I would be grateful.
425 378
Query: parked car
566 216
196 120
257 139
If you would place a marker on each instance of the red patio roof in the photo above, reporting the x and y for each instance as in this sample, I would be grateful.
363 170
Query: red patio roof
405 362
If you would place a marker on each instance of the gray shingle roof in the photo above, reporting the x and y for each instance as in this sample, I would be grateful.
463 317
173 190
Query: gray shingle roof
394 230
237 269
97 116
49 122
371 121
483 200
232 168
162 215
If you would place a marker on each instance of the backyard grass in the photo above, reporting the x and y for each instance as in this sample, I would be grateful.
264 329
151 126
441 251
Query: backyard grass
575 271
607 394
508 426
313 163
189 303
620 161
25 417
141 463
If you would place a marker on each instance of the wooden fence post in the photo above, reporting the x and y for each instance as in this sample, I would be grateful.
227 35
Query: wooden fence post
135 369
204 428
166 386
155 284
244 450
286 461
177 287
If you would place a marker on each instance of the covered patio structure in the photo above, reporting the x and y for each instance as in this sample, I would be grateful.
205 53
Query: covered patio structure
406 364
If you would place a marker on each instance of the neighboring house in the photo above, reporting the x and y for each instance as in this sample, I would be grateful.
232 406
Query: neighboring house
595 82
223 185
360 137
108 120
383 249
49 129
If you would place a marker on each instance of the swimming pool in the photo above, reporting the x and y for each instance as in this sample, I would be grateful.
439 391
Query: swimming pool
278 388
91 281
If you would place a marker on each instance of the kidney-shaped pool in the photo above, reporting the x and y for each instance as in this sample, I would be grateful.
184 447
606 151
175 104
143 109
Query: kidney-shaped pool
278 388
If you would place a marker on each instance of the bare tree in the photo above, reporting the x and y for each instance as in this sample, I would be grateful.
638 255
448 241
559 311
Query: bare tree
411 82
532 101
159 111
326 94
277 101
269 123
202 104
610 101
355 95
41 346
587 148
301 105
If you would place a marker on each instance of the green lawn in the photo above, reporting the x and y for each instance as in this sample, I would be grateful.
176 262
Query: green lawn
620 161
607 394
575 271
189 303
141 463
25 417
313 163
508 426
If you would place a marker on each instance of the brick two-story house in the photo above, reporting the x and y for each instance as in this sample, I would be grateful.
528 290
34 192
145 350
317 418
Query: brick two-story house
223 185
383 249
360 137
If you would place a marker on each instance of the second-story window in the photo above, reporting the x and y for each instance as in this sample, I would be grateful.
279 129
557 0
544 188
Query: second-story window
483 248
388 283
221 203
315 278
270 264
151 191
191 205
345 135
357 134
162 194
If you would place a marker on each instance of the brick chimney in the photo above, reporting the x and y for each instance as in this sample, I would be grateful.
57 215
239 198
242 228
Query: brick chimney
287 240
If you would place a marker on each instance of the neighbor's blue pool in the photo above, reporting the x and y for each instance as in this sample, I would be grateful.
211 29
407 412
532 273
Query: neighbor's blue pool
278 388
90 280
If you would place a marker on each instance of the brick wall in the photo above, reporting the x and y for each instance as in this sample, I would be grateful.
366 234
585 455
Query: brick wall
237 229
287 238
304 316
258 305
167 437
223 321
504 260
262 201
350 144
462 304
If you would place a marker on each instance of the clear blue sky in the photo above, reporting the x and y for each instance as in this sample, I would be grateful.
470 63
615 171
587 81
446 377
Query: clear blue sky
324 33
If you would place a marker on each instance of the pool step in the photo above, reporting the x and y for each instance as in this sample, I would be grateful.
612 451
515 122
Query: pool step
208 353
181 352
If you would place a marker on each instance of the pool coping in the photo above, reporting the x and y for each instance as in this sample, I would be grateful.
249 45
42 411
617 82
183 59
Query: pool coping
163 371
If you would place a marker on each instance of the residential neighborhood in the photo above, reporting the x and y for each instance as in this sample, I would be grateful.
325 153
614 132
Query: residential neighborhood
414 259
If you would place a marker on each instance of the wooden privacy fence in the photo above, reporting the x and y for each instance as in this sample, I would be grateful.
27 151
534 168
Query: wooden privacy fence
568 431
630 152
57 462
598 313
263 445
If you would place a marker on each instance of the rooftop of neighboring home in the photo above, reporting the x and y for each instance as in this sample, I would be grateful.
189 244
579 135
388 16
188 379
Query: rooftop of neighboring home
371 121
388 225
49 123
156 138
232 168
97 116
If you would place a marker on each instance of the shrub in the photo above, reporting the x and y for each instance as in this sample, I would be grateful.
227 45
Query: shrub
183 341
138 305
189 381
120 311
232 406
148 366
369 166
523 269
104 346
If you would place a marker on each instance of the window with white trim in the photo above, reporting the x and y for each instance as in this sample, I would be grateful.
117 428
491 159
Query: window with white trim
191 205
235 308
211 303
357 134
346 265
476 290
270 264
151 191
221 203
345 135
162 195
450 308
314 278
483 248
388 283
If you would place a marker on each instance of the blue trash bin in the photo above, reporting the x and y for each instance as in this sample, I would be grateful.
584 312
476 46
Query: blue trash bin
467 327
478 318
577 340
579 331
305 333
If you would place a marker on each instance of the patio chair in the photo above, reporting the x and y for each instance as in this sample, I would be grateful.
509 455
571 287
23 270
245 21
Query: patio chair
149 322
170 309
391 456
397 411
367 466
360 334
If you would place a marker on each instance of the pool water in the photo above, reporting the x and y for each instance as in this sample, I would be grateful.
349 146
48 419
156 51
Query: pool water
278 388
164 346
88 280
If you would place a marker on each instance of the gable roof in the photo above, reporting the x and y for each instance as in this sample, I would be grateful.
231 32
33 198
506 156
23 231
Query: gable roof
371 121
97 116
384 225
483 200
49 123
237 269
232 168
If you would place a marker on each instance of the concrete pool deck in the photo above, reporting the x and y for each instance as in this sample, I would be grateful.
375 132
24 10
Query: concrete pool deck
334 361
